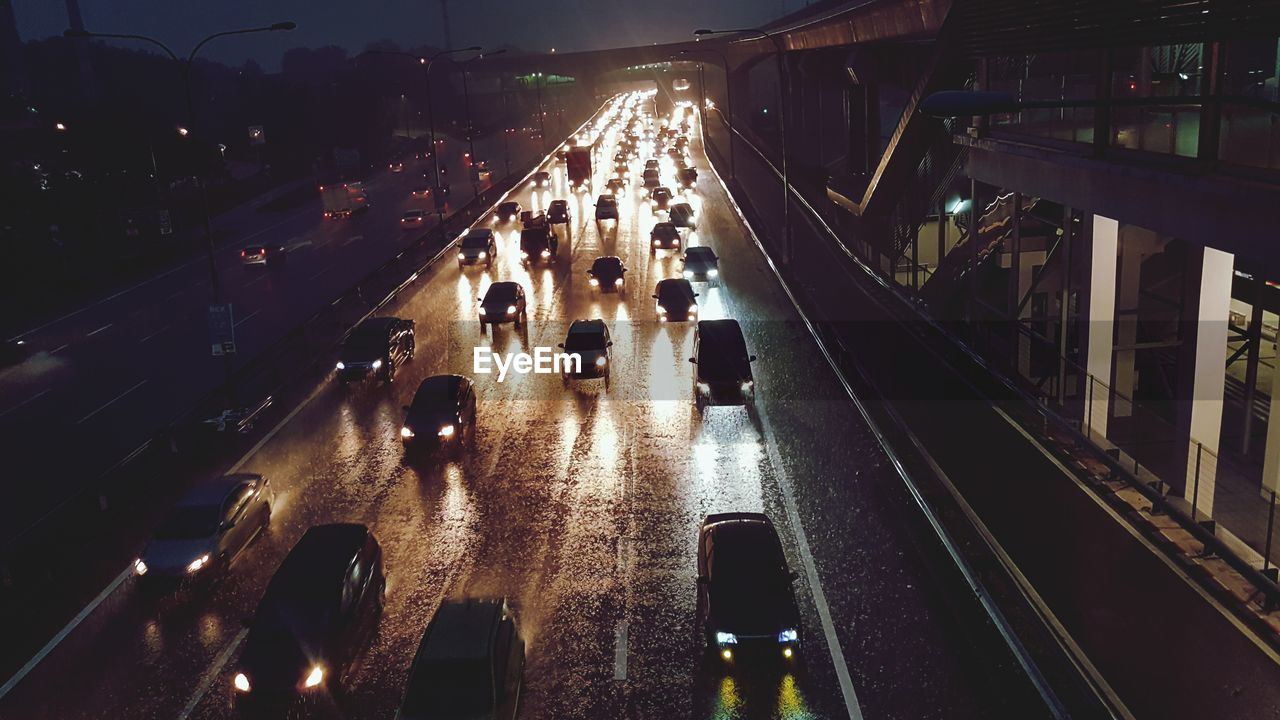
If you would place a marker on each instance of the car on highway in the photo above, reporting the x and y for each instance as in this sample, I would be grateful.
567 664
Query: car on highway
541 178
263 255
376 348
660 198
413 219
746 607
319 612
606 208
621 171
682 216
477 246
676 300
686 176
701 263
607 274
664 236
538 243
620 158
396 167
420 192
530 217
721 365
651 164
558 212
207 530
442 414
589 340
616 187
507 211
503 302
469 664
14 352
652 181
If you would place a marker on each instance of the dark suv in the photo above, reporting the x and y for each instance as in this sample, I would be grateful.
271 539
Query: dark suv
442 414
319 611
537 242
664 236
722 367
503 302
607 274
558 212
375 349
470 664
745 604
589 340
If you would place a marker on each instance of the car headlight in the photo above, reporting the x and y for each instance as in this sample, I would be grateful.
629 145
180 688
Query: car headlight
725 638
376 364
546 253
241 682
341 366
747 385
693 309
688 273
523 254
139 567
657 242
511 309
662 310
405 432
788 635
617 282
446 431
594 282
462 256
198 563
315 677
704 388
600 361
482 255
713 272
481 309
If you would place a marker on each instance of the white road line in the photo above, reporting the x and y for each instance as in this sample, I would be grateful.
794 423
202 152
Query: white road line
12 682
810 570
157 332
620 651
350 240
112 400
60 348
33 398
95 332
313 277
247 318
211 674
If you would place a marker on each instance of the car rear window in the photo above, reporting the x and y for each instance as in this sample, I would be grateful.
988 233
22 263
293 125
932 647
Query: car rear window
450 689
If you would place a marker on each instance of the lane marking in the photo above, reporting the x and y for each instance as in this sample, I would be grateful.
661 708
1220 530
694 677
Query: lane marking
313 277
95 332
620 651
12 682
247 318
60 348
112 400
212 673
157 332
350 240
33 398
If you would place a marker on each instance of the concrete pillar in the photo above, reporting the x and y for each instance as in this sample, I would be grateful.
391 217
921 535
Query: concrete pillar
1136 244
1205 312
1101 325
1271 456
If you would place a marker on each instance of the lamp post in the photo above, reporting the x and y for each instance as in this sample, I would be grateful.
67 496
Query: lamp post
471 130
728 104
184 67
426 62
784 91
542 128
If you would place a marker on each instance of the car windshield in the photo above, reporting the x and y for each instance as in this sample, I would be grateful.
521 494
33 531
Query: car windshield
475 241
366 340
413 214
189 522
700 255
499 293
673 293
450 689
507 207
583 341
606 266
745 560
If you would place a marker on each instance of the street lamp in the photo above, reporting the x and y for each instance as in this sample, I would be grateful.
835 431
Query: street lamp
184 67
466 102
784 91
542 127
728 104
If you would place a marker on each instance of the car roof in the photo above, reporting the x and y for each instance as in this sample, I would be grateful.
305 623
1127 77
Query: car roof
557 203
318 561
479 232
439 387
682 207
725 332
607 260
595 325
506 288
461 630
214 490
375 326
508 203
414 212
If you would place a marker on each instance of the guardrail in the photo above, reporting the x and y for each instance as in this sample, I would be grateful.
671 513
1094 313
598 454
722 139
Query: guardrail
185 443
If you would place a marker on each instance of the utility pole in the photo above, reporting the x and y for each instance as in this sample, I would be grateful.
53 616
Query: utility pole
444 16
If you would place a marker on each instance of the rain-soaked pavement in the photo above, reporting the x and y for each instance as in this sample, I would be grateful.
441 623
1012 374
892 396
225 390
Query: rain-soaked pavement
581 505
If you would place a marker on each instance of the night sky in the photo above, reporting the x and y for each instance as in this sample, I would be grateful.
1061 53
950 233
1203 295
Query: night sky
541 24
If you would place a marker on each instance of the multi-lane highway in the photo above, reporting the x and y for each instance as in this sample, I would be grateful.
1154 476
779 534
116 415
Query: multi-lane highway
581 505
107 376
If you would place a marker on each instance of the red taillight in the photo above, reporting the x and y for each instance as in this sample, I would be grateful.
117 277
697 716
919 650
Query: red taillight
242 253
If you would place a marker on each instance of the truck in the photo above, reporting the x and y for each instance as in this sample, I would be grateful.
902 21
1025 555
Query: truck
343 200
578 165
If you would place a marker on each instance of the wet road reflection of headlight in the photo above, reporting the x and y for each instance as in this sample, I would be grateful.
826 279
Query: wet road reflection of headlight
241 682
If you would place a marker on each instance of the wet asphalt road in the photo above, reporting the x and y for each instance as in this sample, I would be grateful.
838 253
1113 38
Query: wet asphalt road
106 377
581 505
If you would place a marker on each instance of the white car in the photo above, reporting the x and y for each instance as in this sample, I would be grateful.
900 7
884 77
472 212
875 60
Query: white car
413 219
